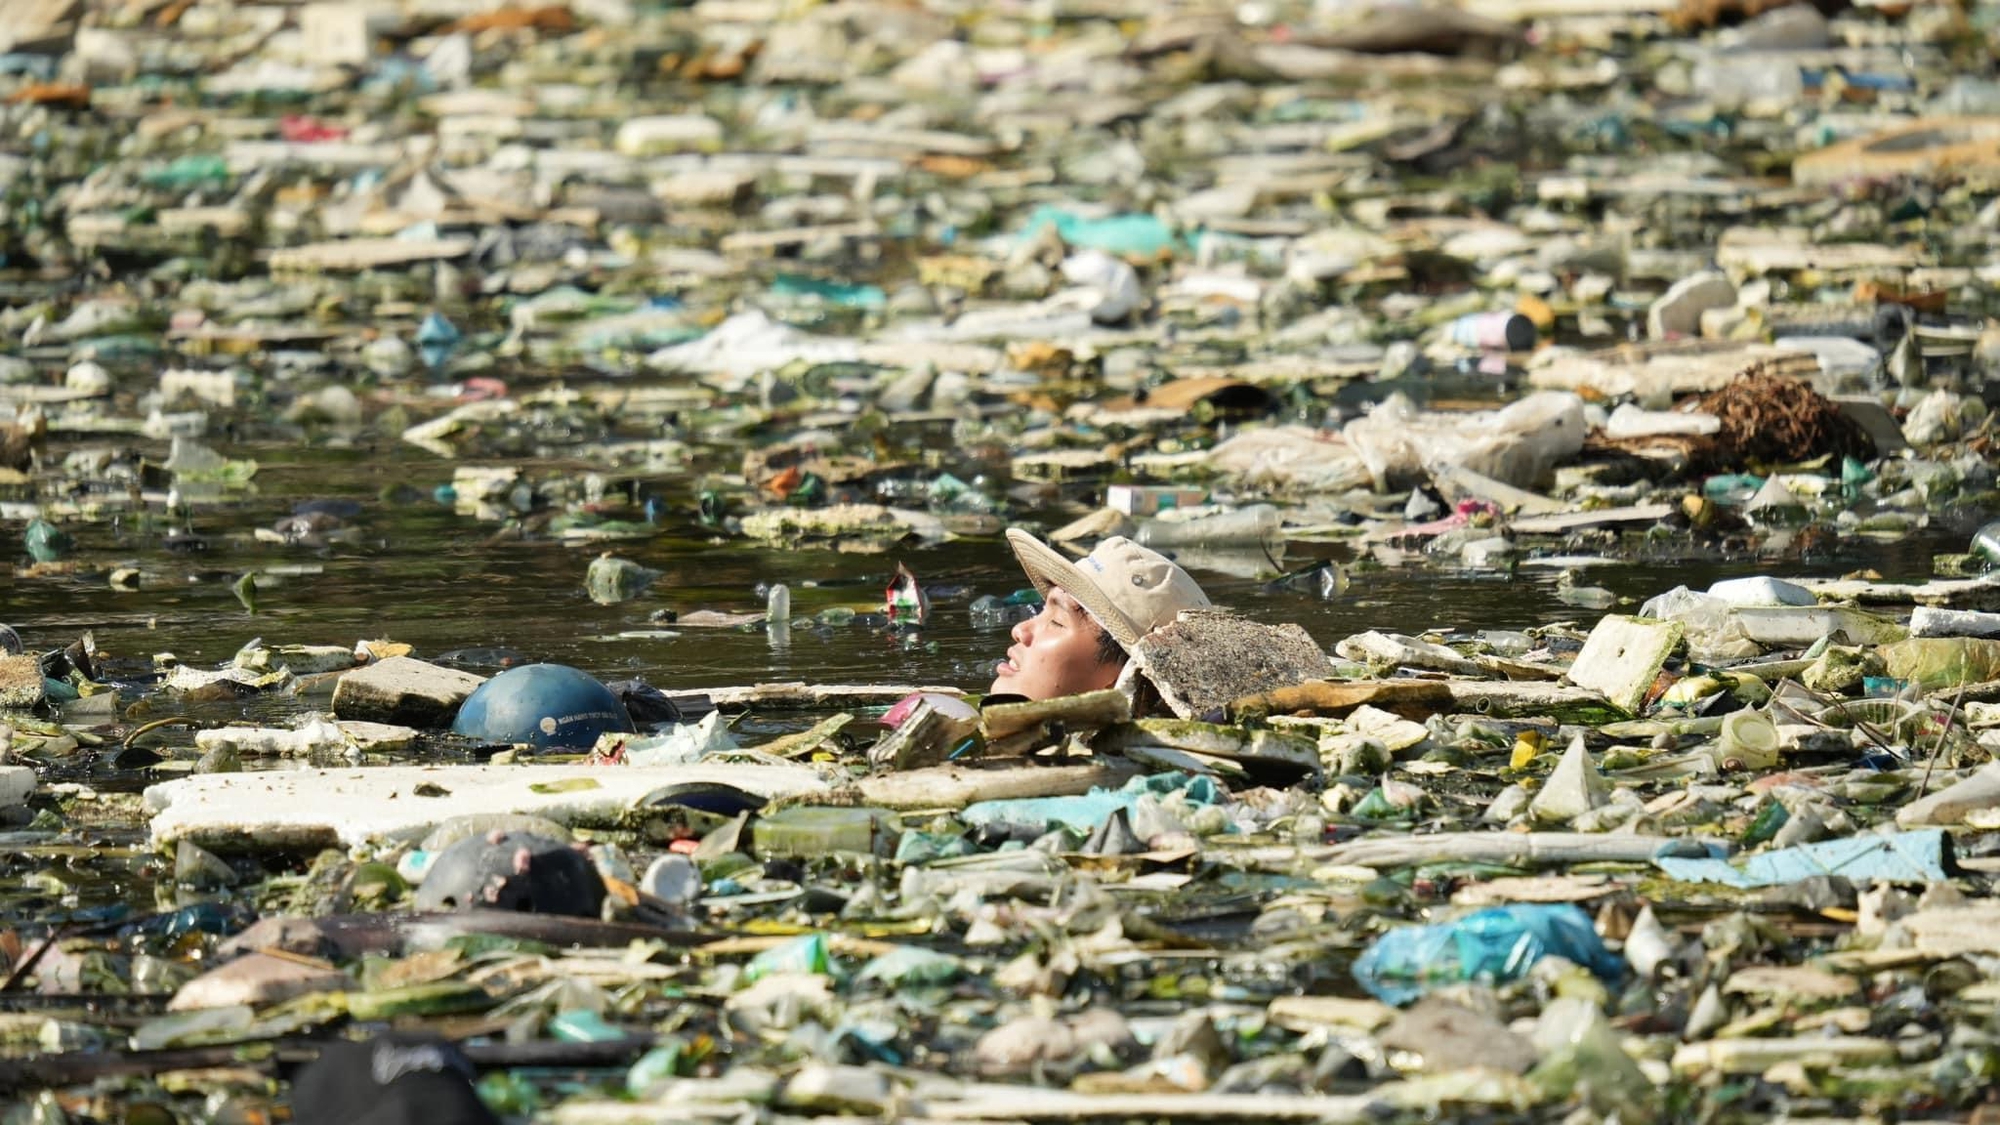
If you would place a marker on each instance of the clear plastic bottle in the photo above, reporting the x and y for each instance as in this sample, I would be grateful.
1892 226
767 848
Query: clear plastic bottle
778 616
1738 81
988 611
1986 543
1258 523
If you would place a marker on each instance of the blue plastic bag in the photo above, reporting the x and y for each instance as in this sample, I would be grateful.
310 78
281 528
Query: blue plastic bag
1491 946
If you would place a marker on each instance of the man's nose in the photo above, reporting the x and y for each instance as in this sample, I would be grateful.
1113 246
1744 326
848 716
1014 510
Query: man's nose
1020 630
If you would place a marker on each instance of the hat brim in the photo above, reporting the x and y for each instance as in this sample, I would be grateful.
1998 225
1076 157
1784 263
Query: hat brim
1046 568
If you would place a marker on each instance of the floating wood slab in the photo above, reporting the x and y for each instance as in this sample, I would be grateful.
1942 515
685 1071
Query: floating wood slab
357 254
797 695
1927 148
305 809
1021 1103
1605 517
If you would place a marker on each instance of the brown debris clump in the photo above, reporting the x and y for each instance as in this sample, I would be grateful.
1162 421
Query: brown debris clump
17 446
1773 419
1693 15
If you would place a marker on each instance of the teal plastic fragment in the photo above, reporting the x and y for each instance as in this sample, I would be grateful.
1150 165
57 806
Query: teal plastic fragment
806 954
1086 812
582 1026
45 541
915 847
1732 488
1128 235
1897 857
188 172
655 1066
836 293
910 964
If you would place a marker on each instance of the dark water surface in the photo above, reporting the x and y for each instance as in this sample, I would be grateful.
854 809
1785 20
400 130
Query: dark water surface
415 571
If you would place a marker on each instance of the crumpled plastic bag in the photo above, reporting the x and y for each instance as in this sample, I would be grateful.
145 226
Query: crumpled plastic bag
1582 1058
1942 662
1289 458
747 343
1491 946
1519 444
1713 631
689 742
1107 286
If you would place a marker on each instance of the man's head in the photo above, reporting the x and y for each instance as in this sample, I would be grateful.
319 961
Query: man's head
1093 613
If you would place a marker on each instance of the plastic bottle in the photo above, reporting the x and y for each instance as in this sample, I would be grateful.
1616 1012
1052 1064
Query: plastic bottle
988 611
1733 82
1969 96
1493 331
1258 523
1986 543
189 172
778 605
803 832
674 879
1749 740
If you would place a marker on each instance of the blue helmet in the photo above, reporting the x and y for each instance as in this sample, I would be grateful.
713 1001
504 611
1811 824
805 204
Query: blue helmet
550 706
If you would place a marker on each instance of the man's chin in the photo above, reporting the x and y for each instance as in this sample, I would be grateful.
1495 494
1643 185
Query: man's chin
1004 673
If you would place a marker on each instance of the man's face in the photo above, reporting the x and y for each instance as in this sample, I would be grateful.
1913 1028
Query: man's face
1054 653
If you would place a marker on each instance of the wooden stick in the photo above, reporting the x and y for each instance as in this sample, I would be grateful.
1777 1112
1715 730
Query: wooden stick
1521 849
146 1003
76 1067
1411 699
28 963
798 695
1944 730
1091 709
1016 1103
954 787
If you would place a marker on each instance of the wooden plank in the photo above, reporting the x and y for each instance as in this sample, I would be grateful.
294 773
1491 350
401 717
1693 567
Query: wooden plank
367 254
1605 517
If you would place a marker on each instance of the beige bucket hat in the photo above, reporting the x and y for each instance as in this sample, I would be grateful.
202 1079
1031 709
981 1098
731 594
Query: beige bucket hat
1130 590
